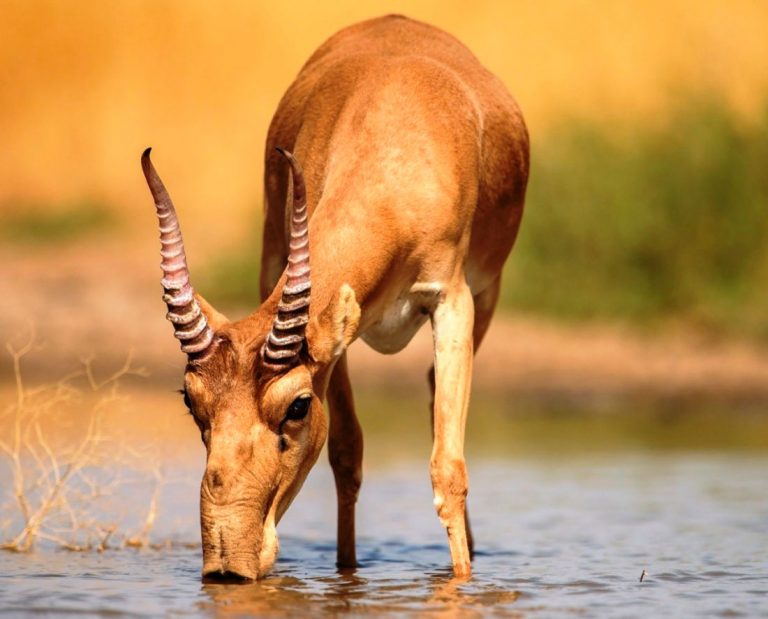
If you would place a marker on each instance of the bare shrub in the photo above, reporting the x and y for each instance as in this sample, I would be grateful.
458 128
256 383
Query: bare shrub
65 469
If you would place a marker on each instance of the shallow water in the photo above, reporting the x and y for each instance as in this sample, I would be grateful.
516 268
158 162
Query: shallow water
556 536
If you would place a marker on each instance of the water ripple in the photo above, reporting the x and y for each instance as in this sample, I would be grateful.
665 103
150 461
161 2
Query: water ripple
622 516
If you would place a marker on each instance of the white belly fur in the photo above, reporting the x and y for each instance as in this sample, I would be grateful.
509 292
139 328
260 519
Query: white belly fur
401 319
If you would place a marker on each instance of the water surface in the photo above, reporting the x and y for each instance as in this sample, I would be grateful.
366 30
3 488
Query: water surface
556 536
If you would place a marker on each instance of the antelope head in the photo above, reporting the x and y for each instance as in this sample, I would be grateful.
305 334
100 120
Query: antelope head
254 388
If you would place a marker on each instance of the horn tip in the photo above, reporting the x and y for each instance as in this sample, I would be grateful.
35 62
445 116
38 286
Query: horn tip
286 154
147 167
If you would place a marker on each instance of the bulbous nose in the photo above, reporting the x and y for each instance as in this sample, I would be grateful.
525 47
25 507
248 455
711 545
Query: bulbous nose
215 480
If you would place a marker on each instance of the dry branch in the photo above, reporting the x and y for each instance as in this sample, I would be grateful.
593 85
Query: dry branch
57 485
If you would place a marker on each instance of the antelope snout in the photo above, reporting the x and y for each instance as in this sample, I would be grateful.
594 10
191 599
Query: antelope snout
238 531
223 482
232 541
213 481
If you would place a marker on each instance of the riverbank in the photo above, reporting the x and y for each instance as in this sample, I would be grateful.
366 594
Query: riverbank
103 302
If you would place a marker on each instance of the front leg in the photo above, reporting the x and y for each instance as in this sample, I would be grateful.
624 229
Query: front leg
452 322
345 451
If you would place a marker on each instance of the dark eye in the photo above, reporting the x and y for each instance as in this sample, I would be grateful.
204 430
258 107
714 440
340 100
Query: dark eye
298 408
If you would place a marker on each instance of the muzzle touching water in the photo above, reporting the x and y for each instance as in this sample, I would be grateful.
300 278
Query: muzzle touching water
239 540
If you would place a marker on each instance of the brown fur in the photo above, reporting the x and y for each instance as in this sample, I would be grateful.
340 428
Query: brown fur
416 162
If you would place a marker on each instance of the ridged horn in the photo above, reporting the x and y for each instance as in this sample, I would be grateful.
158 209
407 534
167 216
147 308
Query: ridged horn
287 335
189 323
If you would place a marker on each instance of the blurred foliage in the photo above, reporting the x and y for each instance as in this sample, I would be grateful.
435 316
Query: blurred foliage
638 223
87 86
501 425
46 224
232 280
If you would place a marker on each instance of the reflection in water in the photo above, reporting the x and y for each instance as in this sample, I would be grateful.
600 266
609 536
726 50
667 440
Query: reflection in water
440 593
288 595
451 594
265 597
564 537
348 588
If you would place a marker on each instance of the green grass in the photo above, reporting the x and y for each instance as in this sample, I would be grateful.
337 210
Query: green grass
232 281
641 224
396 426
33 224
637 223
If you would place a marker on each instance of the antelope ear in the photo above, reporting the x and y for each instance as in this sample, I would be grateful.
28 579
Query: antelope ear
333 330
216 319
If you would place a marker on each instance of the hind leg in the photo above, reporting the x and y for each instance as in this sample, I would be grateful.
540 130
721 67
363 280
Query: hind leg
345 452
485 304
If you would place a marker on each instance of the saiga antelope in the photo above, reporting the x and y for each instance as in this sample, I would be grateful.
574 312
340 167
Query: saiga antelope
415 164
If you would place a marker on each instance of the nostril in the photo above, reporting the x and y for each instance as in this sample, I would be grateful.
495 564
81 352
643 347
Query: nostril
214 479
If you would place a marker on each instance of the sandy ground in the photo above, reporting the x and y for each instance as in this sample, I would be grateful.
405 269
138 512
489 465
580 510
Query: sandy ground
104 302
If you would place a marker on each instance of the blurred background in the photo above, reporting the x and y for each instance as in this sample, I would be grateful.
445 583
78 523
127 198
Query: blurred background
618 417
639 274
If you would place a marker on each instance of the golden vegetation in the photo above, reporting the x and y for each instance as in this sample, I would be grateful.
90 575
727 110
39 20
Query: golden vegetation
86 85
618 97
63 490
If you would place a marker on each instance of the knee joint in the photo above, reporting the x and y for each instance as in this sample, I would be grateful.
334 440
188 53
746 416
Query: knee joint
449 481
